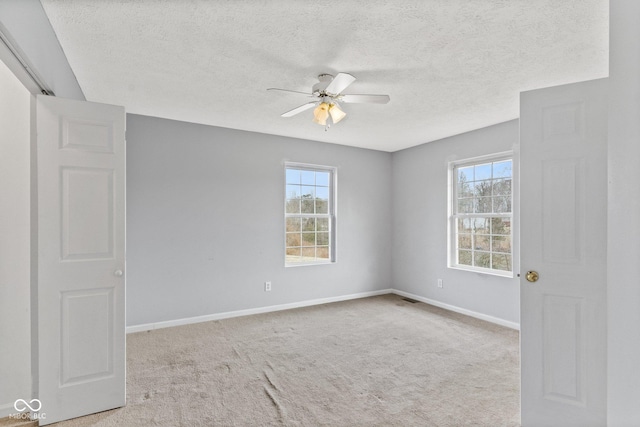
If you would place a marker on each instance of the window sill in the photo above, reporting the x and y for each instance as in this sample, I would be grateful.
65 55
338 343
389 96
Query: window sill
507 274
306 264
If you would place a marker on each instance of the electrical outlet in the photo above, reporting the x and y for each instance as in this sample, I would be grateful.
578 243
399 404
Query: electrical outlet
439 283
267 286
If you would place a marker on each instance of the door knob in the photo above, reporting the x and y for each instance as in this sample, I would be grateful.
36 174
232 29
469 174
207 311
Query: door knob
532 276
118 273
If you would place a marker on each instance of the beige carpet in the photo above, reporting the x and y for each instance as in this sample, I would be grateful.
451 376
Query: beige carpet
378 361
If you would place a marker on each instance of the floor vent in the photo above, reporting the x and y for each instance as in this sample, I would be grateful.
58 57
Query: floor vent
412 301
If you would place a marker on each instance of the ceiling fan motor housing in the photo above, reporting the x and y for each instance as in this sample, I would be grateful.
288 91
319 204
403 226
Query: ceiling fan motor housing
320 87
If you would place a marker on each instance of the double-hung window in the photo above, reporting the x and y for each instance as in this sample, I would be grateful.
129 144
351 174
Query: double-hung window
481 215
309 214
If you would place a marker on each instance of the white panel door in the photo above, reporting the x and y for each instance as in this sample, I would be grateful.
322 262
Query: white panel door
563 178
81 257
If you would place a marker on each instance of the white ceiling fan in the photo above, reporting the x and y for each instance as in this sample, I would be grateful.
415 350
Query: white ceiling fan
328 94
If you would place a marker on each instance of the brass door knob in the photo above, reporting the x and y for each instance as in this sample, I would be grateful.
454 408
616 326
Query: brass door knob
532 276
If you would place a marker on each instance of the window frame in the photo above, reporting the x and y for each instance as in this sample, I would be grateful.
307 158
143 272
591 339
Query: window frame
453 215
330 215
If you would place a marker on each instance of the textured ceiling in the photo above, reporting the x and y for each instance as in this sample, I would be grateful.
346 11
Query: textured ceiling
449 66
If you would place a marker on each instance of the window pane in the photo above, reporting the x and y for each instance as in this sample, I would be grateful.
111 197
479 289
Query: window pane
464 241
322 239
501 244
322 252
309 254
502 187
464 257
482 188
322 193
293 206
293 239
465 174
483 205
502 204
502 262
293 192
465 205
465 189
322 178
322 206
502 169
293 254
308 224
482 171
483 259
464 225
307 206
308 177
481 225
308 239
293 176
308 192
323 224
501 226
293 224
482 242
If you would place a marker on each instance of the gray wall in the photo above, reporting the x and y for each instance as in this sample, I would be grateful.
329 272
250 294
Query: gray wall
420 183
624 215
15 330
205 221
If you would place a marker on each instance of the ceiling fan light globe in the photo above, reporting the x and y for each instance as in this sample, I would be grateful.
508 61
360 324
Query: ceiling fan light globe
321 114
320 121
336 113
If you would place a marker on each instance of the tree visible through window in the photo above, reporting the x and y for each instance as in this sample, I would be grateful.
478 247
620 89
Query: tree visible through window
481 215
309 214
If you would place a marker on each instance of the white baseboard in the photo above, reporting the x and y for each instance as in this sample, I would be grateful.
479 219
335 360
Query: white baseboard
238 313
271 308
496 320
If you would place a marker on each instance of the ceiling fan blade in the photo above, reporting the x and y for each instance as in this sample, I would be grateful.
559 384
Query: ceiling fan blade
360 99
340 83
287 90
299 109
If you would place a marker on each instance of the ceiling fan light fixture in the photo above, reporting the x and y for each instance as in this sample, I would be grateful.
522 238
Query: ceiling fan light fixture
321 114
336 113
328 92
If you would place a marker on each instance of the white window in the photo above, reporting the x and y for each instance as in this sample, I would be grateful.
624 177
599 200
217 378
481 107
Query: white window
309 214
481 215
